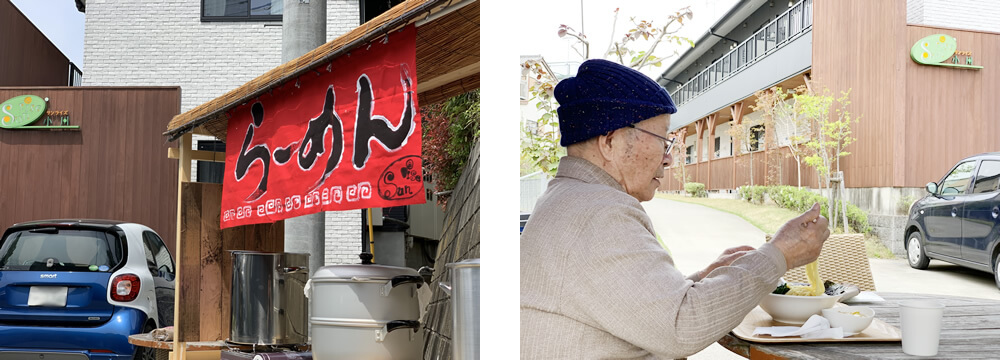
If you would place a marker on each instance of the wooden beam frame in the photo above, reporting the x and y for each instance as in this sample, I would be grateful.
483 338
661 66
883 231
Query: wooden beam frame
183 175
433 83
737 111
198 155
711 152
699 127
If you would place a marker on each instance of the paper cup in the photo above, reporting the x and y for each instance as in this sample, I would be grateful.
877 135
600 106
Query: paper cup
920 322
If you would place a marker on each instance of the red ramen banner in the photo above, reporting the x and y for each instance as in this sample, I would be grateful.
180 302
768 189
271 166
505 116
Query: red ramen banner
341 137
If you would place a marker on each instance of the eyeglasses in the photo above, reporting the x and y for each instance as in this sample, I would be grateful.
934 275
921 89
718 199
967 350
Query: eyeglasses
668 144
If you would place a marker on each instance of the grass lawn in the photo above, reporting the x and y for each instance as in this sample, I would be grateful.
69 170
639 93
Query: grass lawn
768 218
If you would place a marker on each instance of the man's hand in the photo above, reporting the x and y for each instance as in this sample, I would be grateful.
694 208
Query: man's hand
727 257
801 238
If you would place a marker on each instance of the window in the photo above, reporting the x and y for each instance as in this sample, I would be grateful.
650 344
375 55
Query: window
690 154
987 179
157 257
241 10
72 250
756 137
210 171
370 9
958 180
718 146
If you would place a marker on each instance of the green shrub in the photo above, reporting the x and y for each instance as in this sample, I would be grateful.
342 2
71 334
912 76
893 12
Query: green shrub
801 200
695 189
903 206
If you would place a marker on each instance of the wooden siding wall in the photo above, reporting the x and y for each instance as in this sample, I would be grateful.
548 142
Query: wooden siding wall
722 172
114 167
205 278
27 57
950 113
862 45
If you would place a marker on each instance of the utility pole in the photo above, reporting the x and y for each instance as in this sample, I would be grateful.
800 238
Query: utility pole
303 28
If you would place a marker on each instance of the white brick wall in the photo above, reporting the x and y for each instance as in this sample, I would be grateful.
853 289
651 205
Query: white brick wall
962 14
914 11
343 237
139 43
130 43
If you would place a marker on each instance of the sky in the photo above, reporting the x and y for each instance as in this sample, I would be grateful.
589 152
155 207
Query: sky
538 30
60 22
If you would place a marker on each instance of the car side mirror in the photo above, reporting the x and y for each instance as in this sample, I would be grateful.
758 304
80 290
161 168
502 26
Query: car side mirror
932 187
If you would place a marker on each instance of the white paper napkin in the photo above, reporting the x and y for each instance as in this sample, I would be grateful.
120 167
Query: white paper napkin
817 327
865 296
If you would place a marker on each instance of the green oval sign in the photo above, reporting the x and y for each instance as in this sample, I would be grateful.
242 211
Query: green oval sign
20 111
933 49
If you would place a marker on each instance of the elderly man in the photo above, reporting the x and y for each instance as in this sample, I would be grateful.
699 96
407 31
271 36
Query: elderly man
595 283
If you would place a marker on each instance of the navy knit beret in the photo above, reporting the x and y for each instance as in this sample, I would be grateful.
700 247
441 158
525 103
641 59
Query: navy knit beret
606 96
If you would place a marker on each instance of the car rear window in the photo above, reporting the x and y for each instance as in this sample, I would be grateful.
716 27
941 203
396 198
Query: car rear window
53 249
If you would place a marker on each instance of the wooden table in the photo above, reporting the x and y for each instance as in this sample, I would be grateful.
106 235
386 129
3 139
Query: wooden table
970 329
163 348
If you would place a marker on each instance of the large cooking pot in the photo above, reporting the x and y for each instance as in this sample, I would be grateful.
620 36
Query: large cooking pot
365 312
465 309
269 306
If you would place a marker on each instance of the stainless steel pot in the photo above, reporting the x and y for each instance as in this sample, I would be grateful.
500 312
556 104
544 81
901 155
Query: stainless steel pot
365 312
269 306
465 309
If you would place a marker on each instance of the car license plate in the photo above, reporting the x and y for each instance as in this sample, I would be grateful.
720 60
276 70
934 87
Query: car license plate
51 296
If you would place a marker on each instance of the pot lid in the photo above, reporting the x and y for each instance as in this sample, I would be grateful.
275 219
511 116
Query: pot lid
362 271
465 263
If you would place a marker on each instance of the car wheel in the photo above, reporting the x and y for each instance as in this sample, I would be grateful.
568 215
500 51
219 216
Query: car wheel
915 252
996 270
145 353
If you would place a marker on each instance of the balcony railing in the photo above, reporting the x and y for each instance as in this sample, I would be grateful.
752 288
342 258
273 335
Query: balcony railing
781 30
75 75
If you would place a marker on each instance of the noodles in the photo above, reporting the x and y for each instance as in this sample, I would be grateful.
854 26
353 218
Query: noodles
812 273
815 287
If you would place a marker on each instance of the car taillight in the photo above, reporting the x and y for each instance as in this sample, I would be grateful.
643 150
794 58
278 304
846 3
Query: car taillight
125 287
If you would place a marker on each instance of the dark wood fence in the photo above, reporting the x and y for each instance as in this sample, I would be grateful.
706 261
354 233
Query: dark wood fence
114 167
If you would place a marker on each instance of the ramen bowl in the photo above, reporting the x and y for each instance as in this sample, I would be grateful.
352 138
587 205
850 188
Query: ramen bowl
791 309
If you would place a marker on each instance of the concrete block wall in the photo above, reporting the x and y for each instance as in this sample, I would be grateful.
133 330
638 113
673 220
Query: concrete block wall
962 14
459 241
890 230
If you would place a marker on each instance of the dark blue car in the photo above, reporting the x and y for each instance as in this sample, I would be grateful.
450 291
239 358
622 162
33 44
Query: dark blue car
76 289
958 221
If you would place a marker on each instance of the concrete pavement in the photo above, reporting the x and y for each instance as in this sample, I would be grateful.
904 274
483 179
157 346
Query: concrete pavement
696 235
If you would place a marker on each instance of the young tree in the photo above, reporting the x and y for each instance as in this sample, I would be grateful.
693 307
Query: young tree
781 116
832 138
679 157
765 103
745 132
637 49
540 148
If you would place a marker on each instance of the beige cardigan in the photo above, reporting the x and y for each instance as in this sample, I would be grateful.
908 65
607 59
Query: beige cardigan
595 284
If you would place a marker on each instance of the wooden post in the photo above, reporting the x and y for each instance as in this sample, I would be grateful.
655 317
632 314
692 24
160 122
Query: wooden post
699 127
737 111
183 176
711 152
